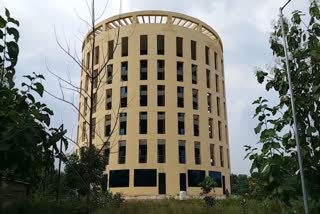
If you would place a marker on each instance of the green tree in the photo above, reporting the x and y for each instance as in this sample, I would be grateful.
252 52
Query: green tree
239 184
27 143
76 170
207 185
275 165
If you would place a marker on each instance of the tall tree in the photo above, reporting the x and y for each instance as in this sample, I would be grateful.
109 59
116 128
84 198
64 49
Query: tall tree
275 165
97 78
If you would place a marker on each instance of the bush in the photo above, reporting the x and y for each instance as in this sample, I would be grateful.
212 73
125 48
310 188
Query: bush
207 185
106 199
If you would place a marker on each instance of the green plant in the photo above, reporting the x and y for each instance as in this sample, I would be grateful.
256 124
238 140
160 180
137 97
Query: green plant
106 199
77 175
275 169
27 143
207 185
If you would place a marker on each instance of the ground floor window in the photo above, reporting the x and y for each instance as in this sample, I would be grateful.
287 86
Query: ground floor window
119 178
216 176
195 177
145 177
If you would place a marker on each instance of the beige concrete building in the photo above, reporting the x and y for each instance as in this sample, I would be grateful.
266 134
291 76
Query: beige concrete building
166 75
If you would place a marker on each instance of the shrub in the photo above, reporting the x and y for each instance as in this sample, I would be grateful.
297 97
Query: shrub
207 185
106 199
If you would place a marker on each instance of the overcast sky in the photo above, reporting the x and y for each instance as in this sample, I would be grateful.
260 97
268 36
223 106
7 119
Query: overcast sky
243 25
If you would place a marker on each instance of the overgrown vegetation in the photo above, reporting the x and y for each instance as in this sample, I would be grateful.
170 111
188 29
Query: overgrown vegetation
239 184
275 167
229 206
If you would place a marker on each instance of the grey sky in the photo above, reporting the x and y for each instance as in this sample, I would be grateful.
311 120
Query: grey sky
243 25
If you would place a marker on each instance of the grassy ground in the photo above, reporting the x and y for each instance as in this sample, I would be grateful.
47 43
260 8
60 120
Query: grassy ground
230 206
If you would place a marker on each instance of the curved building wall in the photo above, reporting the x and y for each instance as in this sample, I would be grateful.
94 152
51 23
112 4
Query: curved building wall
147 167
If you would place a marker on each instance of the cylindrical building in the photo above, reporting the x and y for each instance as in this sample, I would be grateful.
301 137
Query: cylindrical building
160 103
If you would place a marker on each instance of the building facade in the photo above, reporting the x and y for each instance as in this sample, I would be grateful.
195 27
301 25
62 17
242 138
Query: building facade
160 104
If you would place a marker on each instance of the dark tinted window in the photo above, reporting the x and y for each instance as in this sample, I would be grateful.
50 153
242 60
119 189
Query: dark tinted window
119 178
180 97
215 60
193 50
143 45
195 177
180 71
194 70
145 177
143 151
143 69
143 123
182 151
110 49
181 129
124 46
123 123
109 73
160 70
160 44
161 123
143 95
207 55
108 125
179 46
161 95
123 96
124 71
161 151
216 176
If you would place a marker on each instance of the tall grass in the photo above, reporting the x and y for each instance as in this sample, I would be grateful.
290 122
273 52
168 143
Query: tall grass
229 206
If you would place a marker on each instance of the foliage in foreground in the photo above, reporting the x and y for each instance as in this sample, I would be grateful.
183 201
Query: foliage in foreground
275 168
27 143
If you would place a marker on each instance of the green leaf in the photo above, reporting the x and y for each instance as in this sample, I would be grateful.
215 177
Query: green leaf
269 85
257 101
40 76
311 130
14 32
39 88
49 111
258 128
13 49
29 77
316 29
12 20
296 18
314 10
30 97
46 119
7 13
261 117
3 22
267 133
260 76
287 135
